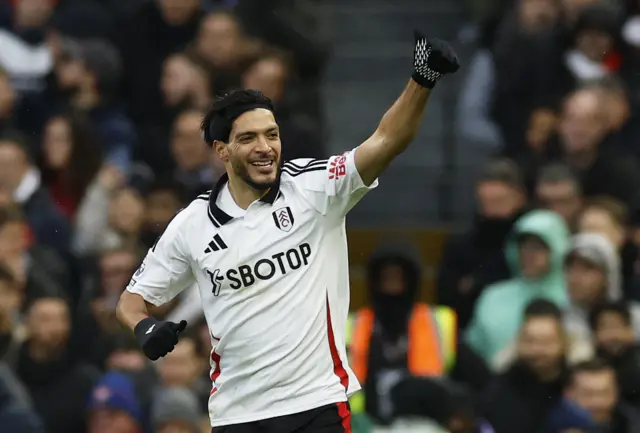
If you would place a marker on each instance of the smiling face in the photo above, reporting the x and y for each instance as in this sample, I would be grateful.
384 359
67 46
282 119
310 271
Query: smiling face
254 149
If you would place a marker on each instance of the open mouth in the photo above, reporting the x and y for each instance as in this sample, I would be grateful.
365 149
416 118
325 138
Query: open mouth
262 163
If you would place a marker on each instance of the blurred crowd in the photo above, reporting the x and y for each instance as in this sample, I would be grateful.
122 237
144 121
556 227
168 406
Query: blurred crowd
543 287
100 109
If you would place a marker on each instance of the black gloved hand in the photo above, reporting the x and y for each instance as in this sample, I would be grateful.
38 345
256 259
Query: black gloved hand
432 58
158 338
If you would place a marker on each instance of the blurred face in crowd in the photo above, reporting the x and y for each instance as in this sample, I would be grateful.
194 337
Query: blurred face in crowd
392 280
57 143
10 298
538 15
583 124
71 74
189 150
32 13
112 421
13 239
613 334
116 268
126 211
126 360
14 164
268 75
561 197
594 44
177 12
7 96
596 392
178 75
219 40
541 345
534 255
498 200
254 149
596 220
48 323
183 366
586 282
162 205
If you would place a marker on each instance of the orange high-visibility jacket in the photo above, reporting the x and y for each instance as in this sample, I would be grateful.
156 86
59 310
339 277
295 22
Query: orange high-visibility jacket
432 343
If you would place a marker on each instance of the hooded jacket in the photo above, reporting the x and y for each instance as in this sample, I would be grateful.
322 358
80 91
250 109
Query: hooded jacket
576 317
498 314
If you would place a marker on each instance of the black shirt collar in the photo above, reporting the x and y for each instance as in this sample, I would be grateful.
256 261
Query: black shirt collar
219 217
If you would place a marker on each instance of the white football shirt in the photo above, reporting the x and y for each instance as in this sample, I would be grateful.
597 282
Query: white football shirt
274 284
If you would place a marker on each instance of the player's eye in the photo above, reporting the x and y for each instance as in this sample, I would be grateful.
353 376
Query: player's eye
273 134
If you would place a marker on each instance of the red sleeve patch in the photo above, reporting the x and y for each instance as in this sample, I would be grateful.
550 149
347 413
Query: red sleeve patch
338 167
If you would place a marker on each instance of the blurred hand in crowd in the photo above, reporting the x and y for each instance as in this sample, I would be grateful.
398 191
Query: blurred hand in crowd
7 97
542 125
111 178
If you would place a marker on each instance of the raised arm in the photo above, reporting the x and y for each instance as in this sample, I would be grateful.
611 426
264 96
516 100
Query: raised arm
432 59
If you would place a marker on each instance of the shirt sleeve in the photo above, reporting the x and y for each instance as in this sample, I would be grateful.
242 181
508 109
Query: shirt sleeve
166 270
333 186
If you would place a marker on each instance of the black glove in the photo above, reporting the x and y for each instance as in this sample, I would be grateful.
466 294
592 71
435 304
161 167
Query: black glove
158 338
432 58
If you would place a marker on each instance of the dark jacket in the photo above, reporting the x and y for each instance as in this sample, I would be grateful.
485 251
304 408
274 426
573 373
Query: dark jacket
471 261
517 402
16 417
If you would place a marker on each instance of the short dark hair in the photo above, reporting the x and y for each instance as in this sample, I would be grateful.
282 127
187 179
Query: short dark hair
595 365
502 170
541 308
619 307
558 172
227 107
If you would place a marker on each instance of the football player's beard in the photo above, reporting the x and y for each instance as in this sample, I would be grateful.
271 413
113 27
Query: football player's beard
241 170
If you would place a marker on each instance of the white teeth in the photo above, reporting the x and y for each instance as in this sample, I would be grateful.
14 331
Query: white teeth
262 163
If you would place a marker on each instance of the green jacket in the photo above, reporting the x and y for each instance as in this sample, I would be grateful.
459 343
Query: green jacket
498 312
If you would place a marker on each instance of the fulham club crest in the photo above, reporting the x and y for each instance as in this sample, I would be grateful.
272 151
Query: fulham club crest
283 218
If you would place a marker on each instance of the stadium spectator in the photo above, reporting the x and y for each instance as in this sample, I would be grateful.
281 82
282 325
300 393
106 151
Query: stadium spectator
535 252
582 132
89 77
609 217
397 335
176 410
48 368
222 45
615 341
475 259
558 189
184 367
37 269
592 386
114 406
14 416
26 56
155 30
271 73
22 181
118 225
593 275
520 399
71 161
196 167
163 200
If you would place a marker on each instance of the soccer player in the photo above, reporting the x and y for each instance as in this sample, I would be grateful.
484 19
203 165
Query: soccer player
267 248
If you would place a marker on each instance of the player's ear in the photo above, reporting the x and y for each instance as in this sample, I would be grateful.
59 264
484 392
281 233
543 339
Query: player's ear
220 148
